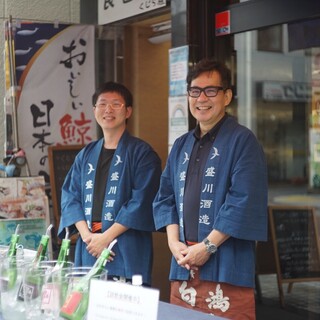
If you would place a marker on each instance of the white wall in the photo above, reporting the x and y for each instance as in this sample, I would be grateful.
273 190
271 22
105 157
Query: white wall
64 11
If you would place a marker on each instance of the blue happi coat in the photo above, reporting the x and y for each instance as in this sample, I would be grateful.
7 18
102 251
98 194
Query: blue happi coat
233 200
131 187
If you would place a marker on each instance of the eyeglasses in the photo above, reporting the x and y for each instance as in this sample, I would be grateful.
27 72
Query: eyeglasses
210 91
113 105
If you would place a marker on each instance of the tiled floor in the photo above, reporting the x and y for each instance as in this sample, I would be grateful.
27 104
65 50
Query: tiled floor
303 300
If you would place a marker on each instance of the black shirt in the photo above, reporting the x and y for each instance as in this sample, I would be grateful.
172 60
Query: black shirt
192 190
100 183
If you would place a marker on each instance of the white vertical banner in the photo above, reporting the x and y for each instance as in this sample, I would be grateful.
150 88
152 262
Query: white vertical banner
178 71
178 99
56 85
178 118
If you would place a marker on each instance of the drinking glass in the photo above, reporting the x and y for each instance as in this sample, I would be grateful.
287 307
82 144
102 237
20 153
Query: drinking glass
11 279
42 289
76 294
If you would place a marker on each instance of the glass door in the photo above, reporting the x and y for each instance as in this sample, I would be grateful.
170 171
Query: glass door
277 81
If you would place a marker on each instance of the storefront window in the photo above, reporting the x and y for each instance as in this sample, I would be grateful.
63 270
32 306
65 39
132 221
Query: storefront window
278 97
275 89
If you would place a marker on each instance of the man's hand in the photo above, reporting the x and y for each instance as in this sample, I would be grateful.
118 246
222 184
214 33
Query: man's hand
194 256
96 244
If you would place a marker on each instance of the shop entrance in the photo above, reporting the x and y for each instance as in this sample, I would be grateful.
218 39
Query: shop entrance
276 72
140 60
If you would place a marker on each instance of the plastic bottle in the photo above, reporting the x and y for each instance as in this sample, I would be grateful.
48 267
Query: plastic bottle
137 280
76 304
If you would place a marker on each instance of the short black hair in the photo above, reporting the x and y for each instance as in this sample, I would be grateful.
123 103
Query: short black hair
210 65
114 87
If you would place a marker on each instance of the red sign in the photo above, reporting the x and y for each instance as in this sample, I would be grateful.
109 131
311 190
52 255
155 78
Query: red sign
222 23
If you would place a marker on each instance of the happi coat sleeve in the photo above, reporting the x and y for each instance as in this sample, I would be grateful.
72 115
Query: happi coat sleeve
234 195
131 187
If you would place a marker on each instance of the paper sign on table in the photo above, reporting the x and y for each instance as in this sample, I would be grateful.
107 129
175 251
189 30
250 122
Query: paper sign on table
120 301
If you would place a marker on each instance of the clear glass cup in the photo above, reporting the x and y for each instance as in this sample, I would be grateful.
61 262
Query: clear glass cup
22 254
52 264
42 289
11 288
76 299
27 254
22 258
3 251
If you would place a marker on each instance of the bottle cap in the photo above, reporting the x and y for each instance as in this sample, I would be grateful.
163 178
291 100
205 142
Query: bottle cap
137 280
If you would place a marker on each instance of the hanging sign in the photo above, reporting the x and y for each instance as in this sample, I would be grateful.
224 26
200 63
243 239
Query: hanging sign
222 23
115 10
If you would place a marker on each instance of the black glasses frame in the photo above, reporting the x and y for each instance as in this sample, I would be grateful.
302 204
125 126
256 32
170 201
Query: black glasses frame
205 91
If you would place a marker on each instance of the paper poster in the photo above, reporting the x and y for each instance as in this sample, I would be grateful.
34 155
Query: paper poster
178 70
178 117
30 232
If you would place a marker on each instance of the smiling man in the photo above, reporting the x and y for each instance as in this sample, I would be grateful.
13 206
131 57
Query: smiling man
109 190
212 201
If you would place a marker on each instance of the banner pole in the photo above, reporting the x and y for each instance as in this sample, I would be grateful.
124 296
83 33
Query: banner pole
16 157
13 84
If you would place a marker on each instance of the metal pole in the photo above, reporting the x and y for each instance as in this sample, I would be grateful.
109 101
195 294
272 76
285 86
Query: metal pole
13 84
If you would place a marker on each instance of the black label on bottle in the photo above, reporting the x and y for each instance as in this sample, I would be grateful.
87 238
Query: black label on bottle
27 290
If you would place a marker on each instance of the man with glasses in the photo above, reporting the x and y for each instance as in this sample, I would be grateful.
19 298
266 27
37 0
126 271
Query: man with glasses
109 190
212 201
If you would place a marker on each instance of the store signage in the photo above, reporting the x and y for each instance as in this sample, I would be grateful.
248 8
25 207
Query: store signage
222 23
115 10
286 91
